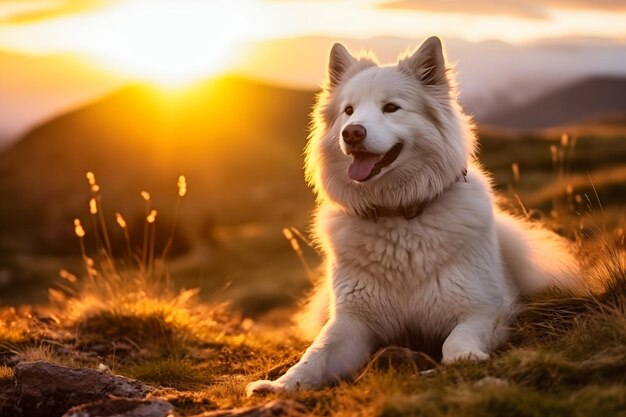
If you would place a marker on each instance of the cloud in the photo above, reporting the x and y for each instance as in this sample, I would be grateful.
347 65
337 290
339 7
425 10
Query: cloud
528 9
524 9
601 5
20 11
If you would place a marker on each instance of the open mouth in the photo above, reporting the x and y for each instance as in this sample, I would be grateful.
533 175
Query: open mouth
366 165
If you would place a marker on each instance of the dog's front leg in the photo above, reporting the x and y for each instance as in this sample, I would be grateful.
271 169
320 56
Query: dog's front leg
471 339
341 348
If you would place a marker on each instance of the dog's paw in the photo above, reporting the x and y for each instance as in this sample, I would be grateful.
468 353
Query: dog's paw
263 387
474 356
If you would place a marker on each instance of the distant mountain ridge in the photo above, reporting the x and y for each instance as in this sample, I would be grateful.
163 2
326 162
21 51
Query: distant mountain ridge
492 75
579 101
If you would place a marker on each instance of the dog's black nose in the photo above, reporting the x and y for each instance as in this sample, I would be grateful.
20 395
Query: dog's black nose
354 134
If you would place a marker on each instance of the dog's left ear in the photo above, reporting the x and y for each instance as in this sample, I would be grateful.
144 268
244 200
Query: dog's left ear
428 62
338 63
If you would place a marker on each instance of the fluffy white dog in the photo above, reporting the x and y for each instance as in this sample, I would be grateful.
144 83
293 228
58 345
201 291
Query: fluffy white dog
417 252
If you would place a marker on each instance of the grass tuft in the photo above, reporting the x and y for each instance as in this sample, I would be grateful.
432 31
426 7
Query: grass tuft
6 374
181 374
14 328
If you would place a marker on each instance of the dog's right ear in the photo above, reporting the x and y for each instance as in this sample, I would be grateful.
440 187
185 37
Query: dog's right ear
428 62
339 62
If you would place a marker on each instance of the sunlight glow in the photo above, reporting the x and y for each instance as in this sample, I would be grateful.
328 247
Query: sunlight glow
152 40
169 44
176 42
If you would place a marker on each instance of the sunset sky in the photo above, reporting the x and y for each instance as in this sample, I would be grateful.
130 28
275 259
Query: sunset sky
177 42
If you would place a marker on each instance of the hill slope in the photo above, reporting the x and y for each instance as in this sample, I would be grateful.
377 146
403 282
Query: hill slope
573 103
40 86
238 142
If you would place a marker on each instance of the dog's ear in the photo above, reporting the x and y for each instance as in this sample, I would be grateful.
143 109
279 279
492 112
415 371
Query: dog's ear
428 62
338 63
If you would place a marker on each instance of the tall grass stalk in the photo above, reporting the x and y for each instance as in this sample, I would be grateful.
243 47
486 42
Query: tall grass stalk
290 234
562 156
96 210
113 280
182 191
151 220
146 226
121 222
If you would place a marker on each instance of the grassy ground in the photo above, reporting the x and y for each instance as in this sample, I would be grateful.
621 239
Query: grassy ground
566 357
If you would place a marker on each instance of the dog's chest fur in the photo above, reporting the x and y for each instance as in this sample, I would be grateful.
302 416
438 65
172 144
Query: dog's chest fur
412 279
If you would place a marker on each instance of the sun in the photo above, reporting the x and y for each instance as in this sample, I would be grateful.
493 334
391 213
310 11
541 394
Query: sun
169 42
166 43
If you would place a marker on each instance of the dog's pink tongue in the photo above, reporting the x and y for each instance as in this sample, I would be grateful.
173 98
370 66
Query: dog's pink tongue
362 165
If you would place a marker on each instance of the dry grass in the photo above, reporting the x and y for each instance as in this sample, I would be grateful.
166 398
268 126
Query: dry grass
6 373
567 357
13 327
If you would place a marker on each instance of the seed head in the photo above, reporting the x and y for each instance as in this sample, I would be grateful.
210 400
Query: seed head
145 195
93 206
120 220
67 275
91 178
287 233
152 216
182 186
246 324
515 169
56 295
78 228
295 245
554 153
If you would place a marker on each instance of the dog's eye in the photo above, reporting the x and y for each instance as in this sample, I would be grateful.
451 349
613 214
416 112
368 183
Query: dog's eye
390 108
349 110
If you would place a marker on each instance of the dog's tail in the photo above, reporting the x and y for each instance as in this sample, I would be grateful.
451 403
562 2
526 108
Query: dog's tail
538 258
315 310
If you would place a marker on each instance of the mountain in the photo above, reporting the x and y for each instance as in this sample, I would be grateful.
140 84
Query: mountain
586 99
492 75
238 142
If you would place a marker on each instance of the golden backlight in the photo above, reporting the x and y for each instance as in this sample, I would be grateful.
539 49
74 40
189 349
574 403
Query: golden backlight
176 42
168 44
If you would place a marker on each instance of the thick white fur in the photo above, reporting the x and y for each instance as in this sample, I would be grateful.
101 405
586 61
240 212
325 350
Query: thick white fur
451 275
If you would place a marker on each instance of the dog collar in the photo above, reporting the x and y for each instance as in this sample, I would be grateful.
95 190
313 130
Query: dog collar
410 211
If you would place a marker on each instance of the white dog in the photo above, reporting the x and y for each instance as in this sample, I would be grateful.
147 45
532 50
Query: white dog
417 252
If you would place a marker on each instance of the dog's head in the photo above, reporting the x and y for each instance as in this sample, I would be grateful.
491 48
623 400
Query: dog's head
387 135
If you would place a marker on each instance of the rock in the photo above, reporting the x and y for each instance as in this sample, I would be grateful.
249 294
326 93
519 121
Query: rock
276 408
124 407
49 390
